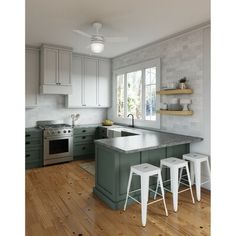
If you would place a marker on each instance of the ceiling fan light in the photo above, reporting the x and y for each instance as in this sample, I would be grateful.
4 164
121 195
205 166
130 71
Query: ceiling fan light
97 47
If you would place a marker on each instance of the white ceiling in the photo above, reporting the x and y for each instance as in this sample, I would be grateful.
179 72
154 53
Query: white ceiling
142 21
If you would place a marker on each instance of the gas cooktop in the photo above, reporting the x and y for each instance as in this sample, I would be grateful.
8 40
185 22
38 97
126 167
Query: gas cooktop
51 124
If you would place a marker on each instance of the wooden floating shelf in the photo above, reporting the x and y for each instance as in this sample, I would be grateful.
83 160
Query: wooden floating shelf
175 91
175 113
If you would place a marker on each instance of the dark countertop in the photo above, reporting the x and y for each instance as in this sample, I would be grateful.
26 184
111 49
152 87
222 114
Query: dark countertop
145 140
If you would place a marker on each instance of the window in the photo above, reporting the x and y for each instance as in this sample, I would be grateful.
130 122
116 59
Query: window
134 94
136 88
150 93
120 95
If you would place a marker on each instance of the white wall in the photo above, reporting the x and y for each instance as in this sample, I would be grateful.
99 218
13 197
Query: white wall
184 55
52 107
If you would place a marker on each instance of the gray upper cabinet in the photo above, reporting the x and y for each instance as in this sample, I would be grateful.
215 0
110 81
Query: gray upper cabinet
75 99
55 68
104 83
32 77
91 82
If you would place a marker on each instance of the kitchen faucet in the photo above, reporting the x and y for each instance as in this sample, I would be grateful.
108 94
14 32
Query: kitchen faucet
132 119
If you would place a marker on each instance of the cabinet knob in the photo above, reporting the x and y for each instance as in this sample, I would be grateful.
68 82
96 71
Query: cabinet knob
27 135
83 137
99 105
27 142
84 105
83 148
27 155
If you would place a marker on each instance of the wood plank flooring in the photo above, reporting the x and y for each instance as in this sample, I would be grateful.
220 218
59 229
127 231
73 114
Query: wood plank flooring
60 201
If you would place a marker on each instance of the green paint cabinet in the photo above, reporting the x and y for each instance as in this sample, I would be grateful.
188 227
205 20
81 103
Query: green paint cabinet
33 148
83 146
113 167
102 132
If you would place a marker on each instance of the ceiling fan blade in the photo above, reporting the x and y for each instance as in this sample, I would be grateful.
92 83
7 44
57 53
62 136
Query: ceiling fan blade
82 33
116 39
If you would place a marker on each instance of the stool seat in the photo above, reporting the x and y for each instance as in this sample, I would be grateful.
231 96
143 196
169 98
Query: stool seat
145 171
195 157
175 164
196 160
145 168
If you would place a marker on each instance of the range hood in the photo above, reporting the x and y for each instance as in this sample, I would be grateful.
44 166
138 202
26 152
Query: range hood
56 89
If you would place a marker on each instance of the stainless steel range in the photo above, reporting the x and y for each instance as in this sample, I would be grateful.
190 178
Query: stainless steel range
57 141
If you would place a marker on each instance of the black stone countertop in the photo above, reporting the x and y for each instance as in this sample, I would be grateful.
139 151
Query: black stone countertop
145 140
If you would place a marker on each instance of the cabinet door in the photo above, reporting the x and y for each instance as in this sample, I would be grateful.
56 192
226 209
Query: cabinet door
64 77
50 60
104 83
75 100
90 82
32 77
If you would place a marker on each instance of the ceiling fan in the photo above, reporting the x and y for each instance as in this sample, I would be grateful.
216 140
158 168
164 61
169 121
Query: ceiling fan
97 40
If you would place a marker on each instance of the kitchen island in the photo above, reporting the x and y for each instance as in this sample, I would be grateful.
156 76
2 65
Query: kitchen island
114 156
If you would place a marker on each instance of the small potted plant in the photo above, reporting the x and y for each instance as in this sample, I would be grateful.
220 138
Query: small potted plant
182 83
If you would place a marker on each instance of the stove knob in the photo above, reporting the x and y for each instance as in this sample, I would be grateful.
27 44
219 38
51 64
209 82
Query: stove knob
68 131
58 132
64 131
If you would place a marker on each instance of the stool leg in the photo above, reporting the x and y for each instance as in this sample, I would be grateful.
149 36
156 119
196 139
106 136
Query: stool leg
155 195
180 175
163 194
209 170
174 187
190 184
192 172
128 189
144 197
197 171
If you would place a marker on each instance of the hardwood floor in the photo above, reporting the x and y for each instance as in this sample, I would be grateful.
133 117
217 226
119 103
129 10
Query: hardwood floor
60 201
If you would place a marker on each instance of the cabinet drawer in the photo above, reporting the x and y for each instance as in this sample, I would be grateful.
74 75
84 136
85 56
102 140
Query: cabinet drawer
33 156
33 135
33 143
83 149
102 132
33 164
86 130
84 139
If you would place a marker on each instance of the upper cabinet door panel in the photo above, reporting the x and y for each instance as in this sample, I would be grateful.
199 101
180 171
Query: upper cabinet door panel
75 100
65 67
104 84
90 82
32 77
50 66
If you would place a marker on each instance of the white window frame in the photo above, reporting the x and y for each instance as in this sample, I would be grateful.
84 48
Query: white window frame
140 66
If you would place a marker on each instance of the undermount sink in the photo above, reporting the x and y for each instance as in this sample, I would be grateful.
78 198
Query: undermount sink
117 131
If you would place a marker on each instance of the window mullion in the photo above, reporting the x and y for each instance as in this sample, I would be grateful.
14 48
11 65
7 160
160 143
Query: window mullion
125 95
143 94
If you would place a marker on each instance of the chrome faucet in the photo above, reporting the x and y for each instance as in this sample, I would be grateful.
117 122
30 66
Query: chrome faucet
132 119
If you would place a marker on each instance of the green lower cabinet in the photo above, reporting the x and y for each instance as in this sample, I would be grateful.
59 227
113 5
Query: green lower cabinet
33 148
33 158
83 147
113 168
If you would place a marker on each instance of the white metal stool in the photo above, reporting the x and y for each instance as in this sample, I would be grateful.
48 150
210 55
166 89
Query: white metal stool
196 160
175 164
145 171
